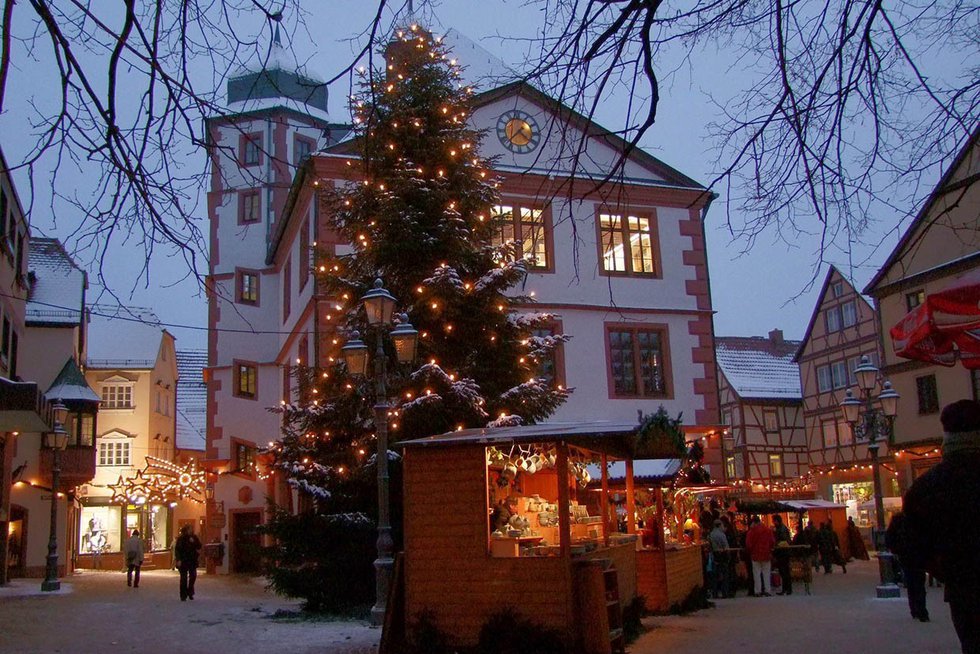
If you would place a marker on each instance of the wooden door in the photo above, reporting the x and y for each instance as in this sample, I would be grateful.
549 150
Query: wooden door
245 554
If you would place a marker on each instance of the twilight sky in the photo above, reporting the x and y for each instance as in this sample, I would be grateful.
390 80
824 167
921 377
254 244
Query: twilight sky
753 291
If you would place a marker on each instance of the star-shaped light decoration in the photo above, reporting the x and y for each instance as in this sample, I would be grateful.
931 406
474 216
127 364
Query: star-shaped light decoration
137 489
175 482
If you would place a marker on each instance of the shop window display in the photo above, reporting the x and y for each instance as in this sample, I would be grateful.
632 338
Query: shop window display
100 529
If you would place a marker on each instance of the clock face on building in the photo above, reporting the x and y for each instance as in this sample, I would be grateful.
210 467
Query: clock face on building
518 132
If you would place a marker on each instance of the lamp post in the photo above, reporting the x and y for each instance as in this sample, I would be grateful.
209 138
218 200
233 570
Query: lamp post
55 441
379 306
873 423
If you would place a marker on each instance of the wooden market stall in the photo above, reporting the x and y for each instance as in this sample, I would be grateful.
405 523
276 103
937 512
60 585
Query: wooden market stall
668 569
497 518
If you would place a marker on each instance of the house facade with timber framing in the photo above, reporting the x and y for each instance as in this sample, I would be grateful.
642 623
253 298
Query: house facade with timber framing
762 410
842 329
941 245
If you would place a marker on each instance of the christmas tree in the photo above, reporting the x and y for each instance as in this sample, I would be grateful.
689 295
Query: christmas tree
418 210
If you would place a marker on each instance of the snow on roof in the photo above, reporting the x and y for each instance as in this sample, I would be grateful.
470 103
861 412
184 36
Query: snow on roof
123 337
481 68
264 104
57 284
192 399
758 367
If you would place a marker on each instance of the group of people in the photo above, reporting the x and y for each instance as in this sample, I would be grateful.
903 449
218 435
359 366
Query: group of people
187 550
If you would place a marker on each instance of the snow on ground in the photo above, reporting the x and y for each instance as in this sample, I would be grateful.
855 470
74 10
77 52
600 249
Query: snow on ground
228 614
98 613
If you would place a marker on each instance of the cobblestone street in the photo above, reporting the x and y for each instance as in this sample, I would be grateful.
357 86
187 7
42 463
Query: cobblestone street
99 613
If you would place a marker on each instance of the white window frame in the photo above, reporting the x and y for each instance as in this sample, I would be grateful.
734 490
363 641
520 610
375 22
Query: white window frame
115 453
825 382
849 314
122 391
838 374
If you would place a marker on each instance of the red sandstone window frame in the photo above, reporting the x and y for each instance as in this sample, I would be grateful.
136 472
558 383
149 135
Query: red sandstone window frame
287 288
668 378
244 199
304 254
624 232
237 366
297 139
245 159
236 444
240 298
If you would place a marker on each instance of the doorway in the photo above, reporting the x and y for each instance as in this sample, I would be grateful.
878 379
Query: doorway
246 556
16 541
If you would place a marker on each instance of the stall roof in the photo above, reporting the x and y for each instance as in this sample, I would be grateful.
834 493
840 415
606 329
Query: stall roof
785 506
606 436
806 505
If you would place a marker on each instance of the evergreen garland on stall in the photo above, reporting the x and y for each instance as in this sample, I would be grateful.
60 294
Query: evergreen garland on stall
417 211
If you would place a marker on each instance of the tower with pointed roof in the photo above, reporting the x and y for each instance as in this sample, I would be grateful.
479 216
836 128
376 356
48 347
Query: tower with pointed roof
276 116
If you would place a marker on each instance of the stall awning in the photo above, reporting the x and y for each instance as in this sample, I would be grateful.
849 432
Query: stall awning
611 438
645 471
785 506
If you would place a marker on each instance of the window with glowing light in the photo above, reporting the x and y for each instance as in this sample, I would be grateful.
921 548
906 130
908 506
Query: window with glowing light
637 361
529 225
247 283
244 458
628 244
246 380
776 465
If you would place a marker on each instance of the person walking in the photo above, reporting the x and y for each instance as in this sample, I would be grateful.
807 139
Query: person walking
760 543
855 541
896 538
943 538
720 554
781 554
187 550
829 546
134 558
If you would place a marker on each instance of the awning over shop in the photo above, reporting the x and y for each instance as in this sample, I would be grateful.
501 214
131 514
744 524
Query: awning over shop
784 506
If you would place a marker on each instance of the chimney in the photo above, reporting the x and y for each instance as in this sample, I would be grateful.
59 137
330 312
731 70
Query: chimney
776 337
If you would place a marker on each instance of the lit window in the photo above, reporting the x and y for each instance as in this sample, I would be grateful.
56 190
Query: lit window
247 381
524 224
730 467
775 465
117 396
244 458
627 244
248 287
636 361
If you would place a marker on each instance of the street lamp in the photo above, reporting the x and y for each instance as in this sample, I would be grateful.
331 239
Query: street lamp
55 441
873 423
379 306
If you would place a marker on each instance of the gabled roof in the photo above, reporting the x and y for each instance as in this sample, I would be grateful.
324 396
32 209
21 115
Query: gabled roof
192 399
940 190
816 308
592 129
57 285
757 367
123 337
70 385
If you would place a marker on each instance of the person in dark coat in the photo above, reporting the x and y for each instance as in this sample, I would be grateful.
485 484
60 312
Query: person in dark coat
187 551
896 538
942 538
780 555
829 545
855 542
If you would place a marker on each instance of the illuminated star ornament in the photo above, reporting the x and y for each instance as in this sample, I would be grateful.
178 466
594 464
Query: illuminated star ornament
160 481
